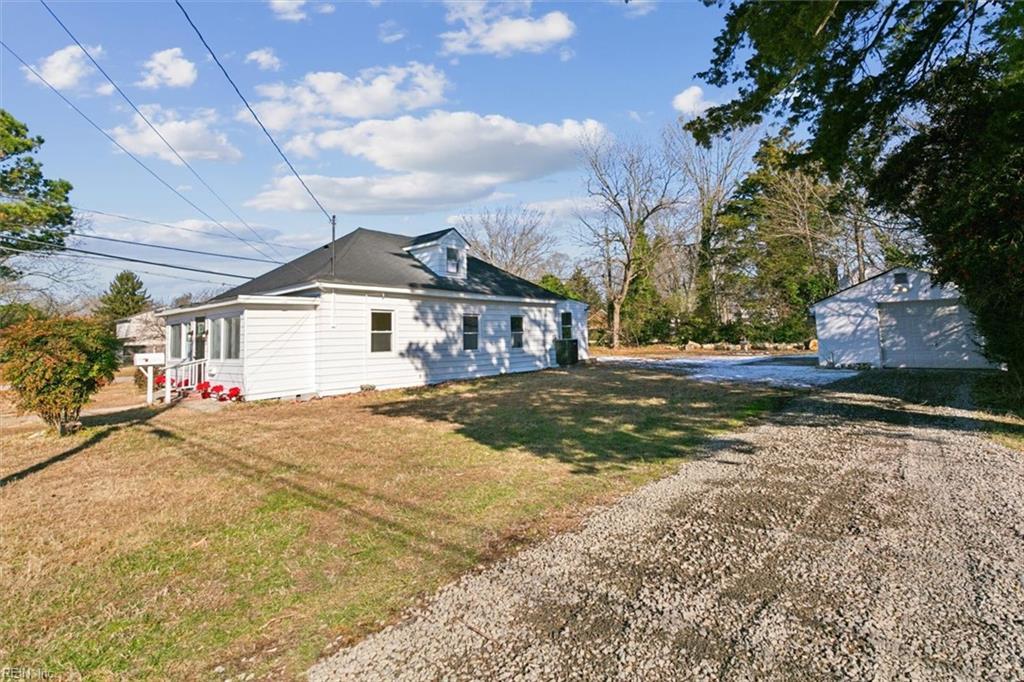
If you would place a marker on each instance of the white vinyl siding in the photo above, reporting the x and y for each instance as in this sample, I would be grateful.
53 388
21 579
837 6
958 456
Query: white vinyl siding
427 342
279 348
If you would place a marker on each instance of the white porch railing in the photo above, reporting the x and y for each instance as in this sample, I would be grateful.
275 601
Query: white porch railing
183 377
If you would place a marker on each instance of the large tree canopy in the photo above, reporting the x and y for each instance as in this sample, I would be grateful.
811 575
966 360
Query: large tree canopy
34 211
854 72
922 101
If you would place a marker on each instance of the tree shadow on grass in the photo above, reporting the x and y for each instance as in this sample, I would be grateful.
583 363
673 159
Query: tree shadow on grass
591 418
109 424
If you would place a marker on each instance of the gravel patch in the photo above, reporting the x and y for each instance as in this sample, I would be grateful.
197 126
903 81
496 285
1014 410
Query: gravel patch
853 535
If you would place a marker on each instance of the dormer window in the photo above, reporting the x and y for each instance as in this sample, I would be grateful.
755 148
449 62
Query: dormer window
453 261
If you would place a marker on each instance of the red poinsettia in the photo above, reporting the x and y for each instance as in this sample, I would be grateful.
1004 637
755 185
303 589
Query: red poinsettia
217 389
203 386
160 380
234 393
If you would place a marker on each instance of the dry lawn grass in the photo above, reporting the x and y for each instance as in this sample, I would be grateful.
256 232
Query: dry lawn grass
163 543
665 350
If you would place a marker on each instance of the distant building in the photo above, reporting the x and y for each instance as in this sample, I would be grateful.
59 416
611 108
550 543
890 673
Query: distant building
141 333
898 318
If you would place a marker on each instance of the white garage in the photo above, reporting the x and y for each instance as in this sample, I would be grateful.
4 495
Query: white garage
898 318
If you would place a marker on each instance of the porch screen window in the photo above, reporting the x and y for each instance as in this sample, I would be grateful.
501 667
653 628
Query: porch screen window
380 331
453 261
215 335
517 331
232 338
470 332
175 349
566 325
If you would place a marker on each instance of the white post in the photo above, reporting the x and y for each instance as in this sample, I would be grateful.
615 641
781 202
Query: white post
149 384
167 386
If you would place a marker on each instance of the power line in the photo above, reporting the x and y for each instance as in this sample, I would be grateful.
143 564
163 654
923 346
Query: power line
251 110
153 127
174 227
97 261
131 260
122 148
172 248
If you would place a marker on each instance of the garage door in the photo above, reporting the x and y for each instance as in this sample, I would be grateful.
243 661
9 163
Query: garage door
927 334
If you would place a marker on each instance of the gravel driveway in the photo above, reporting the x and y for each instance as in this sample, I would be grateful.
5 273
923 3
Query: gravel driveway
854 535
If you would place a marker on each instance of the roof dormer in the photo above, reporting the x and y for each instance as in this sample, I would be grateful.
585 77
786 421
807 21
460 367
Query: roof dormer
444 253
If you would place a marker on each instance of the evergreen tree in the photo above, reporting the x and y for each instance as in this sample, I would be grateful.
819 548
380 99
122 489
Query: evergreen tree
125 296
34 212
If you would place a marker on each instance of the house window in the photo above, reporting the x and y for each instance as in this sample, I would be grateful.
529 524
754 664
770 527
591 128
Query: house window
175 350
470 332
215 336
453 261
566 325
900 283
233 337
380 331
517 331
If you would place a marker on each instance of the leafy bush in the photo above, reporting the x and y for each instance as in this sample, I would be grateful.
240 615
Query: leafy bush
54 366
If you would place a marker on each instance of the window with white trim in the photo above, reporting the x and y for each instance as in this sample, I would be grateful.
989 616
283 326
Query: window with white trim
566 325
233 337
470 332
381 331
175 340
453 261
216 332
517 331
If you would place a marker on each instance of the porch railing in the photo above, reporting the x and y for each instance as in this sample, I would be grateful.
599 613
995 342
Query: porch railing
183 377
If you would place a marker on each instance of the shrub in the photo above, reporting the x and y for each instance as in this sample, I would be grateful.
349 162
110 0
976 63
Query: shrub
54 366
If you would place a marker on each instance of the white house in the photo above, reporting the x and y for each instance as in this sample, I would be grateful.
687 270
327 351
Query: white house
898 318
371 309
141 333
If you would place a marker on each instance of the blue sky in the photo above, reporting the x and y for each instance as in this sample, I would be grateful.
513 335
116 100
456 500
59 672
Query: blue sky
399 115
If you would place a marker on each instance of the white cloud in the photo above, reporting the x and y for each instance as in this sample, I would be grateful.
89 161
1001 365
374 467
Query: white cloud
322 97
464 143
390 32
691 102
168 67
502 29
105 89
288 10
638 8
566 53
194 138
324 8
66 67
567 208
442 160
264 58
385 194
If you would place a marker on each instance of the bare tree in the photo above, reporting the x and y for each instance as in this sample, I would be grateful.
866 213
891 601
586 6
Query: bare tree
714 173
515 238
635 185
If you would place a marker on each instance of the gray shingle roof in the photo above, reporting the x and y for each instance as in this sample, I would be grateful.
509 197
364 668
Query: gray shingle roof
373 258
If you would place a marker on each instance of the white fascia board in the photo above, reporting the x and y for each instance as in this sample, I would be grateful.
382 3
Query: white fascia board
277 295
295 301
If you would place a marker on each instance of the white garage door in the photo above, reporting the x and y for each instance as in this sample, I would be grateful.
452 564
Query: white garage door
927 334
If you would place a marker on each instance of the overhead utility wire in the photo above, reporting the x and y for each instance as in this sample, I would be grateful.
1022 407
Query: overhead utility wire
122 148
252 111
132 260
153 127
98 263
173 227
171 248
